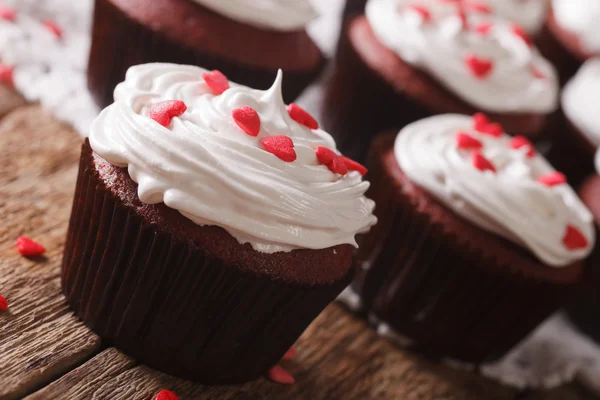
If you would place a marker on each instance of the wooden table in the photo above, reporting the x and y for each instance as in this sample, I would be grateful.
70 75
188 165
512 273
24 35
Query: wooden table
46 353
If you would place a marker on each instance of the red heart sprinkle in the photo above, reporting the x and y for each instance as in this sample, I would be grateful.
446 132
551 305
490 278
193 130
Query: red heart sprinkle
482 163
216 81
6 74
467 142
164 111
537 73
8 14
333 161
280 375
482 124
325 155
166 395
478 7
290 354
53 28
354 166
3 303
281 146
480 67
302 117
553 179
484 28
247 119
519 141
29 248
517 30
574 239
464 22
422 11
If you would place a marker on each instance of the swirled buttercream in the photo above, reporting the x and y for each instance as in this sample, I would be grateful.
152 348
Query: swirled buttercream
580 17
206 167
530 14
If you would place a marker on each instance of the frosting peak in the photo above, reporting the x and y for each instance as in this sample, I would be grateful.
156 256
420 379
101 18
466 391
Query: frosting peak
221 166
498 183
487 61
279 15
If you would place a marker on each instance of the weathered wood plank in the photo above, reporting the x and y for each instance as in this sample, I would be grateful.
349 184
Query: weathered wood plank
40 338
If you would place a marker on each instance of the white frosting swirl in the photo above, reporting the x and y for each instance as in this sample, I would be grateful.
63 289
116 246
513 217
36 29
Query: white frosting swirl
580 17
580 100
206 167
440 46
530 14
279 15
510 202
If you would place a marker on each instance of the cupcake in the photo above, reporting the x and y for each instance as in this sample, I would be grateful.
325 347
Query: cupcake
578 135
405 60
210 226
572 34
246 40
480 238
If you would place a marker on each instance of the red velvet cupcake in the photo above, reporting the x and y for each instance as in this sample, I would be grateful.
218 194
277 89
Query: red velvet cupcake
246 40
210 224
405 60
479 239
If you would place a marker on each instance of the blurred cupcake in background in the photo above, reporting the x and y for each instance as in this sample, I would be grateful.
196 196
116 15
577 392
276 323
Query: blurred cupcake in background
479 239
405 60
246 40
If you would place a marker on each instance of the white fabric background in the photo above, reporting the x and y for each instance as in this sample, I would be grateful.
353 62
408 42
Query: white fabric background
52 72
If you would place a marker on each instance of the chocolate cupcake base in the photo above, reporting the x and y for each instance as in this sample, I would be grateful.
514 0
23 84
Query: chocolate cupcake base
171 304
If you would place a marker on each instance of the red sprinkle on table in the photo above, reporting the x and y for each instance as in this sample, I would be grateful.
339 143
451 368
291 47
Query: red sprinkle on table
573 239
280 375
29 248
3 303
164 111
422 11
290 354
481 123
166 395
354 166
517 30
333 161
6 74
482 163
281 146
54 29
216 81
302 117
467 142
484 28
521 141
247 119
553 179
478 7
479 67
8 14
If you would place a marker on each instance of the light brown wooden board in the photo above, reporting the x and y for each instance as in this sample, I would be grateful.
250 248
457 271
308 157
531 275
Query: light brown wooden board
45 352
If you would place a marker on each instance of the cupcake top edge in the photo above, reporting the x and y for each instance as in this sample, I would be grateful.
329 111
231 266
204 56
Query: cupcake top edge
580 18
580 99
487 61
227 155
266 14
499 183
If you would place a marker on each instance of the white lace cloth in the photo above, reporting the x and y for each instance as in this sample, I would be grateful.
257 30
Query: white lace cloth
52 71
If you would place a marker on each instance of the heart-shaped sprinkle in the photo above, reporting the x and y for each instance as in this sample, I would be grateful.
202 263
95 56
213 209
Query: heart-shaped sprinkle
478 7
247 119
467 142
354 166
479 67
280 375
482 124
164 111
29 248
574 239
553 179
521 141
462 16
302 117
166 395
332 160
421 10
8 14
216 81
484 28
3 303
281 146
290 354
53 28
6 74
482 163
518 31
537 73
